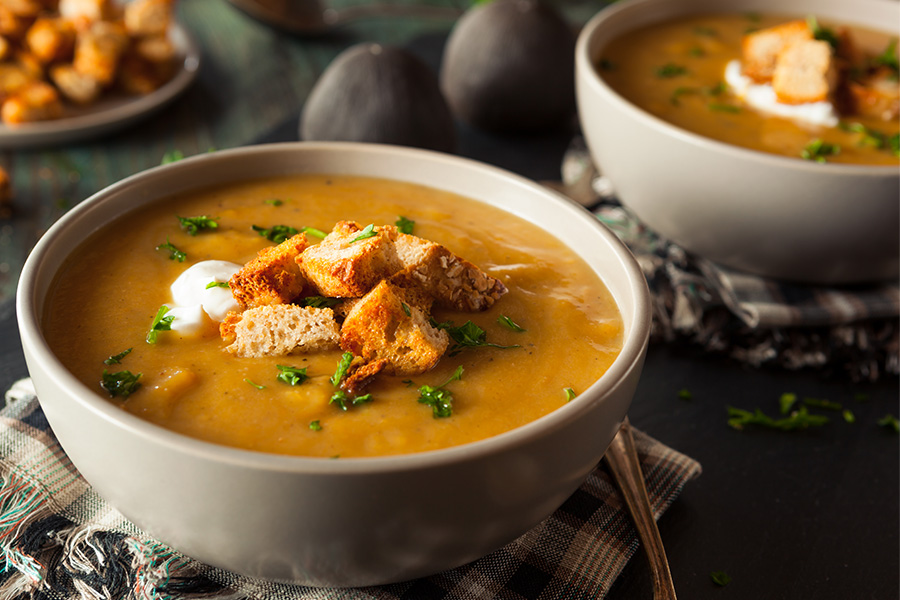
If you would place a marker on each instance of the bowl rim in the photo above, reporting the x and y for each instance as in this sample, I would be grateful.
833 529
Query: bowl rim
587 74
630 357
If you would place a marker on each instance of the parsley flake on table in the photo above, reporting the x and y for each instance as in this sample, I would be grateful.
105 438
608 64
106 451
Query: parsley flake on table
160 322
685 394
800 419
404 225
194 225
366 233
171 156
121 383
115 359
291 375
889 421
786 402
720 578
439 399
174 253
275 233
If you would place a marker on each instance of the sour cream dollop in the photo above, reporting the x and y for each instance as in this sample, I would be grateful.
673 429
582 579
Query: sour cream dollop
762 97
192 298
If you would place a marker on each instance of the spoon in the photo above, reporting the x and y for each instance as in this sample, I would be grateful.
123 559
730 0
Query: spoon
313 17
622 458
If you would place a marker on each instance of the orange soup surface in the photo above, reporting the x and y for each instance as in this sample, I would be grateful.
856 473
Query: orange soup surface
104 300
675 70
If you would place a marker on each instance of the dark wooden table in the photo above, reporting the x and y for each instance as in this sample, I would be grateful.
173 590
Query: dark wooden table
801 515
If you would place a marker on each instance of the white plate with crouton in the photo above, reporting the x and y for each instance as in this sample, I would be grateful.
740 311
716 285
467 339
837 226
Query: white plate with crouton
113 110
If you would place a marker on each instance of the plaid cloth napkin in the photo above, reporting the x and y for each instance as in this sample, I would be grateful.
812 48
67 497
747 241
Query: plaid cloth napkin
756 320
59 540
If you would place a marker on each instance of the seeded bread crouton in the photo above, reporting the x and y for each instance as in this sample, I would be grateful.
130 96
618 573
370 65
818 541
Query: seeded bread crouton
77 87
98 50
760 49
804 72
384 325
339 267
35 101
878 95
284 329
51 39
273 277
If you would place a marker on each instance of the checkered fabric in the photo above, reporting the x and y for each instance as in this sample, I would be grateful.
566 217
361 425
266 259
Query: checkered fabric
60 541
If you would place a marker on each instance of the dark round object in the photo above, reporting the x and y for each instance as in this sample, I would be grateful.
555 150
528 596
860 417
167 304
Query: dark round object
509 66
380 94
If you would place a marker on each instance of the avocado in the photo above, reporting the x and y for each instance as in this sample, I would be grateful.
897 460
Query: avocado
381 94
509 67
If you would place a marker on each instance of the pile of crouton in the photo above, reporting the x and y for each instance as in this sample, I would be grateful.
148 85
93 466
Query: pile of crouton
383 284
804 69
54 52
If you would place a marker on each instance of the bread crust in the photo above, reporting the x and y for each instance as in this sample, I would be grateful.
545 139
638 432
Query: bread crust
273 277
282 329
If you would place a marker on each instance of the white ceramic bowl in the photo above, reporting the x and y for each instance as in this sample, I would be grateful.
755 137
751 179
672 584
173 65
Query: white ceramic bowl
764 214
345 522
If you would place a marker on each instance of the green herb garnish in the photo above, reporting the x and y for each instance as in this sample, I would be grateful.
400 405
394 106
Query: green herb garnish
720 578
122 383
439 399
670 70
321 301
822 33
468 335
193 225
160 322
405 308
276 233
274 202
256 385
818 150
404 225
315 425
888 58
868 137
291 375
685 394
697 51
509 324
725 108
848 415
341 399
171 156
799 419
342 368
367 232
786 402
821 403
314 232
890 422
117 358
570 394
174 253
218 284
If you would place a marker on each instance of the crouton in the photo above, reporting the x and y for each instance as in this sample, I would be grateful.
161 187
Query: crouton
36 101
51 39
804 72
760 49
360 374
384 325
75 86
878 96
273 277
12 79
85 11
99 49
344 266
284 329
451 281
148 17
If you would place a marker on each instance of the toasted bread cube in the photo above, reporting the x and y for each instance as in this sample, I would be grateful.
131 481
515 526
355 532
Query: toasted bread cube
360 374
85 11
878 95
339 267
13 78
804 73
155 48
98 50
451 281
51 40
283 329
77 87
384 325
36 101
760 49
148 17
273 277
139 75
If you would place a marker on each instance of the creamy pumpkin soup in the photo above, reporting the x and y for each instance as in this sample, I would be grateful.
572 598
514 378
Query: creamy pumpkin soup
789 85
331 316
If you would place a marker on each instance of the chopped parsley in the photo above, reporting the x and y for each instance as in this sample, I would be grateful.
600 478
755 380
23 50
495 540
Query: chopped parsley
705 31
405 308
890 422
818 150
366 233
725 108
115 359
256 385
468 335
872 138
315 425
697 51
800 419
219 284
439 399
570 394
171 156
342 368
276 233
321 301
193 225
274 202
174 253
314 232
685 394
720 578
848 415
122 383
824 34
341 399
670 70
160 322
291 375
786 402
821 403
404 225
888 58
510 324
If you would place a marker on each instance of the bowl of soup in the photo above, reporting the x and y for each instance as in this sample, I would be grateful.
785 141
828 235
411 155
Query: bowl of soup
254 456
788 170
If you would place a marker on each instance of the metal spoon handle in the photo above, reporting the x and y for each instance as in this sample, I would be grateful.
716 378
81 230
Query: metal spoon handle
623 461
